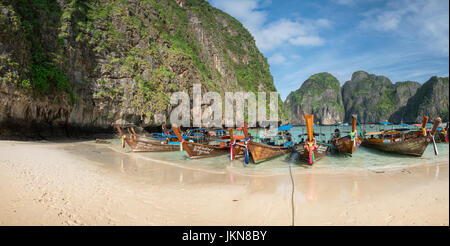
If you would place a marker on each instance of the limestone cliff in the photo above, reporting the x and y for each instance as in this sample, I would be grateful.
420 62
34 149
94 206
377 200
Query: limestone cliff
75 65
320 95
431 100
373 98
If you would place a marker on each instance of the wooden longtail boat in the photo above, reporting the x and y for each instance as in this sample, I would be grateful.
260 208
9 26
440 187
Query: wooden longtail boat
442 135
407 143
262 152
348 144
199 150
311 151
138 145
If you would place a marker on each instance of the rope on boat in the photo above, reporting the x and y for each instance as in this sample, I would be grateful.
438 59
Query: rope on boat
246 150
360 128
325 144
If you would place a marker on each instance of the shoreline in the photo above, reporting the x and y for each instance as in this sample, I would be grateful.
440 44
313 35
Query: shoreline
83 183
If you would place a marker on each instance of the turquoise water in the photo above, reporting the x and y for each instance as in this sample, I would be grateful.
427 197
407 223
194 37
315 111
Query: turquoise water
364 158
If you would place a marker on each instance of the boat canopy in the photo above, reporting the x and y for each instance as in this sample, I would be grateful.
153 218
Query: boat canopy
385 123
285 128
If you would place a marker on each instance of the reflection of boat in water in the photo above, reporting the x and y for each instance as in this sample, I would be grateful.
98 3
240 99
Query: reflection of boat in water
311 151
347 144
402 142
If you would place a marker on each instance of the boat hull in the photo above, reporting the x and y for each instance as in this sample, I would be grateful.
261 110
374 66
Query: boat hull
319 153
345 145
413 146
150 146
262 152
197 151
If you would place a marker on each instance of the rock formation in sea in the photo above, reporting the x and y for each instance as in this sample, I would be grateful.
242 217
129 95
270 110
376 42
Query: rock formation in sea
431 100
369 96
80 66
372 97
320 95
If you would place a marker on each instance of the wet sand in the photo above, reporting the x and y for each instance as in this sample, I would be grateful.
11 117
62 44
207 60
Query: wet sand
84 183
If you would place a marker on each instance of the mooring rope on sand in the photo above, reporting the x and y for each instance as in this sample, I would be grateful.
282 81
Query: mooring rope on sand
292 193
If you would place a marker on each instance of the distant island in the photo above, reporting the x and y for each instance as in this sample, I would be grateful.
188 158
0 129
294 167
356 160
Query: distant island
373 98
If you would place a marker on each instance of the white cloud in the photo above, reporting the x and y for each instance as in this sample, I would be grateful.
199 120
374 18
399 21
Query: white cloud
323 23
311 40
345 2
422 22
277 58
271 35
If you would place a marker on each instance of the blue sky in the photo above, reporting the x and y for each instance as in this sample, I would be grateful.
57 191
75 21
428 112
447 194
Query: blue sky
401 39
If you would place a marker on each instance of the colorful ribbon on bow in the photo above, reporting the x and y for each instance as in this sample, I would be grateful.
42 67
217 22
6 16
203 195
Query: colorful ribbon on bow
311 146
353 137
123 141
246 150
424 131
233 143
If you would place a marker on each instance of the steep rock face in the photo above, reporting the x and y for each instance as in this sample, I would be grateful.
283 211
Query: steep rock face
371 97
431 100
67 65
319 95
403 92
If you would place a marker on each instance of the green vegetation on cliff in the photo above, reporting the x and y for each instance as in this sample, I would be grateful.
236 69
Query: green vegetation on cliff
431 99
373 98
123 58
320 95
43 73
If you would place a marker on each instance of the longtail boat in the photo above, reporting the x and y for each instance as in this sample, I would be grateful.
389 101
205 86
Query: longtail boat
347 144
311 151
260 151
200 150
442 135
403 142
138 145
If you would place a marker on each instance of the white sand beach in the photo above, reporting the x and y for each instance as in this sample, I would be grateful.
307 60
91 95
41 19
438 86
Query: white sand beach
75 183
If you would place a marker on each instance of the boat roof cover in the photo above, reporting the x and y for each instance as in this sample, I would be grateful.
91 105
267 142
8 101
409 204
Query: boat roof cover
285 128
385 123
